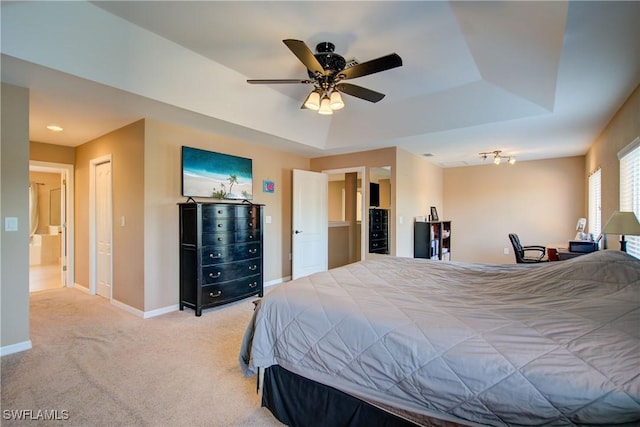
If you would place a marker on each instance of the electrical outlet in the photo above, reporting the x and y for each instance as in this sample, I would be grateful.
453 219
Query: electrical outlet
506 251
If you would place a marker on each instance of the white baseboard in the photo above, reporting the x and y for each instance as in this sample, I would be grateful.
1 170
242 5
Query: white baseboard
161 311
15 348
80 288
277 281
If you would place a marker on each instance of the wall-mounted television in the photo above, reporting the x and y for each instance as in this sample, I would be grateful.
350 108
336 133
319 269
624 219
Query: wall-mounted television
216 175
374 194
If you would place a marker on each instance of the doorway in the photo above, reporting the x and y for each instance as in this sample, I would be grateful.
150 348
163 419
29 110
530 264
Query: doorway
347 215
51 222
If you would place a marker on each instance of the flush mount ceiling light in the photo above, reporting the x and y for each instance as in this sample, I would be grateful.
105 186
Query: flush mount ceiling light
326 70
55 128
497 157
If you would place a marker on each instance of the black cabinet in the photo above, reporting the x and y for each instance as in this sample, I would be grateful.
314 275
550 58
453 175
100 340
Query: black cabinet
432 240
379 231
220 253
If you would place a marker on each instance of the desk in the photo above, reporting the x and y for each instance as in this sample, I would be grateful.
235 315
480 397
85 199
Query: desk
561 252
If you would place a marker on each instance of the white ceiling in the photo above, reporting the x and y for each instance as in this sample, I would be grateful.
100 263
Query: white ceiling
534 79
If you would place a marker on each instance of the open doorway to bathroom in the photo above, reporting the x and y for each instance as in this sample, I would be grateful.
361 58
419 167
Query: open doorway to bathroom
49 235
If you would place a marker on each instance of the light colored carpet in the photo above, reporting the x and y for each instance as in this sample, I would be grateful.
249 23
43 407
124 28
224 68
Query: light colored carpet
103 366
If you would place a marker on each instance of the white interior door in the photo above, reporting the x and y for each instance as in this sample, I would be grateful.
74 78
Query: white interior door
310 223
103 228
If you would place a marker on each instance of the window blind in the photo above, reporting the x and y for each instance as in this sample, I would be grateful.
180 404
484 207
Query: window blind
630 189
595 205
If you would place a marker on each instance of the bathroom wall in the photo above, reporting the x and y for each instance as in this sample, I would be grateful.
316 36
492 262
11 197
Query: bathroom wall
48 181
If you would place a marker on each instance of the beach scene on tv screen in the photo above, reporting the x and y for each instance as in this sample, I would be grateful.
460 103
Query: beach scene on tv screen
216 175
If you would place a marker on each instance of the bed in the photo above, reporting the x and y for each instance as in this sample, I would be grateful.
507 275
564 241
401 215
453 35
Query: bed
447 343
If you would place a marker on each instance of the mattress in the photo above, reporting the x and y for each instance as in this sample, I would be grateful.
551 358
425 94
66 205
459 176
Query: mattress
555 343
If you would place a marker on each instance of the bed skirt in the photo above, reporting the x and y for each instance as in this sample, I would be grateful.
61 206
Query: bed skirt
298 401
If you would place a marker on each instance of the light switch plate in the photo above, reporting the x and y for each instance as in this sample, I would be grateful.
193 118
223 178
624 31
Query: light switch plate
10 223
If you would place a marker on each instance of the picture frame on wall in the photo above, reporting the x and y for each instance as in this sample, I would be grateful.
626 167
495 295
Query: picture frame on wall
434 214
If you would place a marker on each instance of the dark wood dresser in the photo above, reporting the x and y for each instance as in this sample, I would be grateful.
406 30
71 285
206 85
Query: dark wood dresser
220 253
378 231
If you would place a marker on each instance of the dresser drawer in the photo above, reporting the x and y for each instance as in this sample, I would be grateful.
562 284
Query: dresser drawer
378 235
216 294
244 211
217 212
229 253
378 246
219 273
231 237
249 223
218 224
378 226
244 236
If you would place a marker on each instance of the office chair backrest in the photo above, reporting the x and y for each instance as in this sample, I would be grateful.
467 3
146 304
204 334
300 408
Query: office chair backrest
517 246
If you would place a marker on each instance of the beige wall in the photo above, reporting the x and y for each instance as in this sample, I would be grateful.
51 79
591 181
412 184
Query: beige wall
14 202
51 153
538 200
126 148
418 186
47 182
162 192
621 130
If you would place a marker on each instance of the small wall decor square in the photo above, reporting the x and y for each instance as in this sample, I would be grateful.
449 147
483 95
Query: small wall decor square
268 186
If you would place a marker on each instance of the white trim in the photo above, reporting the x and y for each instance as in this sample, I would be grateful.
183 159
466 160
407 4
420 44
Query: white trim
128 308
93 163
15 348
144 314
161 311
629 148
277 281
81 288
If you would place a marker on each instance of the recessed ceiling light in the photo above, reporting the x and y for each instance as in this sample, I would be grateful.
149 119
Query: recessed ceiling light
55 128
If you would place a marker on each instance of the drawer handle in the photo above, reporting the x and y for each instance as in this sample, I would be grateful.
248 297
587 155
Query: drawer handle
250 224
214 256
220 225
253 285
216 295
220 239
220 211
253 250
253 267
215 276
251 236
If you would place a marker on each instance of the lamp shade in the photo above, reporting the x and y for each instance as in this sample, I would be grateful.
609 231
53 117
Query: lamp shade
624 223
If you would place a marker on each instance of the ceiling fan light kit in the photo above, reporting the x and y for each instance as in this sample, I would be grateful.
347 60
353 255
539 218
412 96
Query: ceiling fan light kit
326 71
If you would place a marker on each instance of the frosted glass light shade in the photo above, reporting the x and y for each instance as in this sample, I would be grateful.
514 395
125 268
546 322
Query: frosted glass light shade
313 101
336 100
325 106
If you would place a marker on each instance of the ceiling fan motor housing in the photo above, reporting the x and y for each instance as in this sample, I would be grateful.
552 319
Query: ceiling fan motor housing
329 60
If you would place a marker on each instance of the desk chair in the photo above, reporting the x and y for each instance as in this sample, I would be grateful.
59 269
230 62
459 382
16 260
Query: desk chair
519 251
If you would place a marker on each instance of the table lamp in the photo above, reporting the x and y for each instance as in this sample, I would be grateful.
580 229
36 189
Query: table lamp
622 223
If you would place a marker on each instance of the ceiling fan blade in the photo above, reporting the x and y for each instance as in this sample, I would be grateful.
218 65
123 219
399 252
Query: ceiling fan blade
277 81
360 92
374 66
304 54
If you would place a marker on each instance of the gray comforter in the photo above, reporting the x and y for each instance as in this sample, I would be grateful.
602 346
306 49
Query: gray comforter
549 344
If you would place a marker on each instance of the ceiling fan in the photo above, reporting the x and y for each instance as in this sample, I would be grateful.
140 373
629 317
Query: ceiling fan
327 70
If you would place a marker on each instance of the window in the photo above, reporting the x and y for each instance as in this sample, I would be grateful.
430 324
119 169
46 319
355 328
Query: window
630 188
595 211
